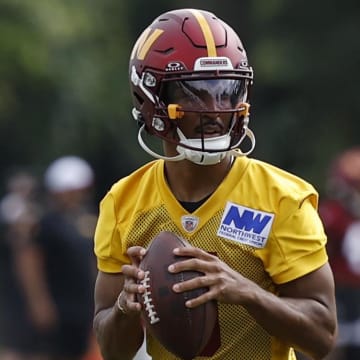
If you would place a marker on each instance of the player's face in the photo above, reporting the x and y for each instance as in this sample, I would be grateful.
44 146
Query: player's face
206 104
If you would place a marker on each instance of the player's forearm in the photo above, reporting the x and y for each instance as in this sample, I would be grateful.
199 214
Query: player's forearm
119 335
303 323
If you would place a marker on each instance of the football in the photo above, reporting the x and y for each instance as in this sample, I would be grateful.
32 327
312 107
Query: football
181 330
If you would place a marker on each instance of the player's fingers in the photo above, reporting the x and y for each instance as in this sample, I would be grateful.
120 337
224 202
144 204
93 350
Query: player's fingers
133 288
195 283
194 264
189 264
193 252
202 299
201 282
133 272
136 253
131 306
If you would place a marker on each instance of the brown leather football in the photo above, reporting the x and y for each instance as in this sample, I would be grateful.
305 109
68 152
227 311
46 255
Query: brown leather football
182 331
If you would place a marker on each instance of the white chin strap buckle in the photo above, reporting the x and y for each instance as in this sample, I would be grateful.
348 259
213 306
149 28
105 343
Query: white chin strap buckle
202 157
199 157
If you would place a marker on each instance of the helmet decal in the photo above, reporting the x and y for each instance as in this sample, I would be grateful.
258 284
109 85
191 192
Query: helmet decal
213 63
144 43
208 35
174 66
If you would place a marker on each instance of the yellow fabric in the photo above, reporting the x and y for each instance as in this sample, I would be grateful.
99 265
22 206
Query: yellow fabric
141 205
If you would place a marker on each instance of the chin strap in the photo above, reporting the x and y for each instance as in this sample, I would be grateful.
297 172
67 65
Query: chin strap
153 153
237 152
198 157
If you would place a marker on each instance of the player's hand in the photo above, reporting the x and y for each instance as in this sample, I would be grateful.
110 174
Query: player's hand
224 284
132 276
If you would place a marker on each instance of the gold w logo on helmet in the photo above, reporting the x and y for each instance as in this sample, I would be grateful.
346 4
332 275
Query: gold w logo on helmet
143 44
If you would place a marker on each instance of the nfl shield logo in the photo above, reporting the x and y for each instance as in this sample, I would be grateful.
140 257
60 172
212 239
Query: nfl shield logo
189 223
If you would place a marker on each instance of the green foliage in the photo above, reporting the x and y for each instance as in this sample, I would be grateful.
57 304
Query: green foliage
63 84
64 80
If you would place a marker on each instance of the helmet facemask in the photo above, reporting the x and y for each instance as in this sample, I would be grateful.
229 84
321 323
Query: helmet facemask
219 106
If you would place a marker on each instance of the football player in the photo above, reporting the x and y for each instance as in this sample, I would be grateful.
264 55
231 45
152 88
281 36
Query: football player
256 232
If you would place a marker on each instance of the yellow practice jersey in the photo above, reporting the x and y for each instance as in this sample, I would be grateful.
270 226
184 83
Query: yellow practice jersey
261 221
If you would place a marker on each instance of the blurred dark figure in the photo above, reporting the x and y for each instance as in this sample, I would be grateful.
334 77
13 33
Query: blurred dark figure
340 212
66 239
19 216
56 273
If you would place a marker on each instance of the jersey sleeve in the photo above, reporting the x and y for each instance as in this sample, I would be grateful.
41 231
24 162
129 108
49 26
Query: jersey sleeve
109 250
298 243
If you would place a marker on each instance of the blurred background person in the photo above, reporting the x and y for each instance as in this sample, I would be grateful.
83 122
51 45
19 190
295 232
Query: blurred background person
65 237
19 216
340 211
54 267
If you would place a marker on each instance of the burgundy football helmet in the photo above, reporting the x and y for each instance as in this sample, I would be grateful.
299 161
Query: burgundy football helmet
193 52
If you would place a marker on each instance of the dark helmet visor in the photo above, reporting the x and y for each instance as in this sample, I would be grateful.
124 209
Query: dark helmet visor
205 95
